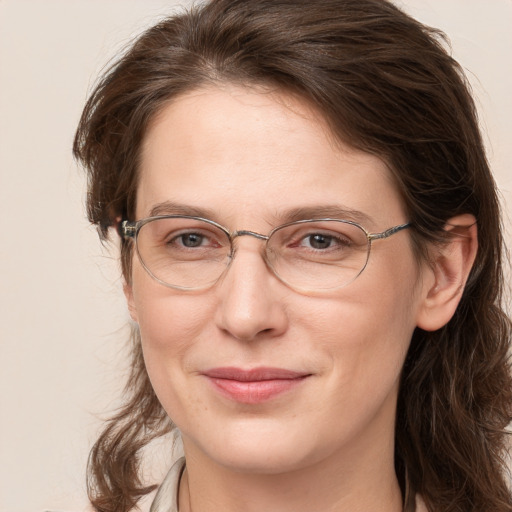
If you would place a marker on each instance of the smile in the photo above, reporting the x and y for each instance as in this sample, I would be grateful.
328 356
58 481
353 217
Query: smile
253 386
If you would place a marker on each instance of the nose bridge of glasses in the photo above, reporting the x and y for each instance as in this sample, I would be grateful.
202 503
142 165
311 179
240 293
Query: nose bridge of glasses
245 232
251 253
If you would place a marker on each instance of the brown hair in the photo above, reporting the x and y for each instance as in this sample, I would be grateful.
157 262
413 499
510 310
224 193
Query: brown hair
386 85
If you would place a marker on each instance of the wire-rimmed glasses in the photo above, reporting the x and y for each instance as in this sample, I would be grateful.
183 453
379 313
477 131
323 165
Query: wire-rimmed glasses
192 253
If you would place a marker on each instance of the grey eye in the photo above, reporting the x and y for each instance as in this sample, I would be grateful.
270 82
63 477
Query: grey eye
191 240
319 241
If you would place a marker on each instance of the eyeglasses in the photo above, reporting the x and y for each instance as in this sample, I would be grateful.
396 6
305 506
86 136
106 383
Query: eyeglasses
192 253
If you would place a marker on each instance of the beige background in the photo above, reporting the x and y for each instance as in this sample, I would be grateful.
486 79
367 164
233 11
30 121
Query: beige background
62 315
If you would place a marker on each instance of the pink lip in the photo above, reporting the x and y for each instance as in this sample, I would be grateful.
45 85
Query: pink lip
253 386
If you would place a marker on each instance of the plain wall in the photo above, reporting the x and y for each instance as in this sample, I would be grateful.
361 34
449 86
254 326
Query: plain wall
62 313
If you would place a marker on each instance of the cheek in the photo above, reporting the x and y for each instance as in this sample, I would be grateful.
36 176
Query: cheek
367 329
366 338
169 321
170 325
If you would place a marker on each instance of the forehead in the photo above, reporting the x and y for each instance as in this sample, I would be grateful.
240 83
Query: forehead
246 154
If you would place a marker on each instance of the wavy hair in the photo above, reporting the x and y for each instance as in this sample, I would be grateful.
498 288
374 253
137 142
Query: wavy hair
387 85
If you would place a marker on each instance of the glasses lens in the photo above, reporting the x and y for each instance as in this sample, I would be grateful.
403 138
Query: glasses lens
183 253
318 255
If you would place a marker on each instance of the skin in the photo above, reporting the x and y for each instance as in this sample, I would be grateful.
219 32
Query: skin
248 156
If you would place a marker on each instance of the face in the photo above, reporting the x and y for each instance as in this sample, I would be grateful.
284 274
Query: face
250 362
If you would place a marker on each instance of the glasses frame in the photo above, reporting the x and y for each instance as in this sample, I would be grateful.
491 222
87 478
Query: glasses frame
131 229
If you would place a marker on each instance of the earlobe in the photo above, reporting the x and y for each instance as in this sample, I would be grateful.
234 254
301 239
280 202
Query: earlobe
128 293
448 272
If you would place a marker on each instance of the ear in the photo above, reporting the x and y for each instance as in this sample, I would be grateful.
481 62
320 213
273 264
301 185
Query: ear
128 293
448 272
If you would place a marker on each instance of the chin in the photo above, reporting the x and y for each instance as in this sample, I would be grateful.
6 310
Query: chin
258 460
261 447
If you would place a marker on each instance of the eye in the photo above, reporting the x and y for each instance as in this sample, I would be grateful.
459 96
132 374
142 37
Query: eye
319 241
171 240
191 240
324 241
328 241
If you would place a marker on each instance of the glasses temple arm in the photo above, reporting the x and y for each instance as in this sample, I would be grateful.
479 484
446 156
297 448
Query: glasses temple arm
389 232
128 229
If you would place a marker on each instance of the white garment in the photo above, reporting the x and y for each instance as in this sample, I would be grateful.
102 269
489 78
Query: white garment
166 499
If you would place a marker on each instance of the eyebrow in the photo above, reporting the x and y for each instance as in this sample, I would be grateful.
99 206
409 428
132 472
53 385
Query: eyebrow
333 211
172 208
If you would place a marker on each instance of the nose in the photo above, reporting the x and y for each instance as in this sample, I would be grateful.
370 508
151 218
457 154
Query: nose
251 299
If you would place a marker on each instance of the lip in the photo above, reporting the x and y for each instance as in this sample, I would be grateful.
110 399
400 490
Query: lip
255 385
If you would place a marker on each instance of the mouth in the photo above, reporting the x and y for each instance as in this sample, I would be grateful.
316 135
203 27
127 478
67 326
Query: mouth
256 385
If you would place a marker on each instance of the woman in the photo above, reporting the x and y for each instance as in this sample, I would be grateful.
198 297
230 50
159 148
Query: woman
312 252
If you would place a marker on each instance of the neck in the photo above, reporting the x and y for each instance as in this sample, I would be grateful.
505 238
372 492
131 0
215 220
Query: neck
340 483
